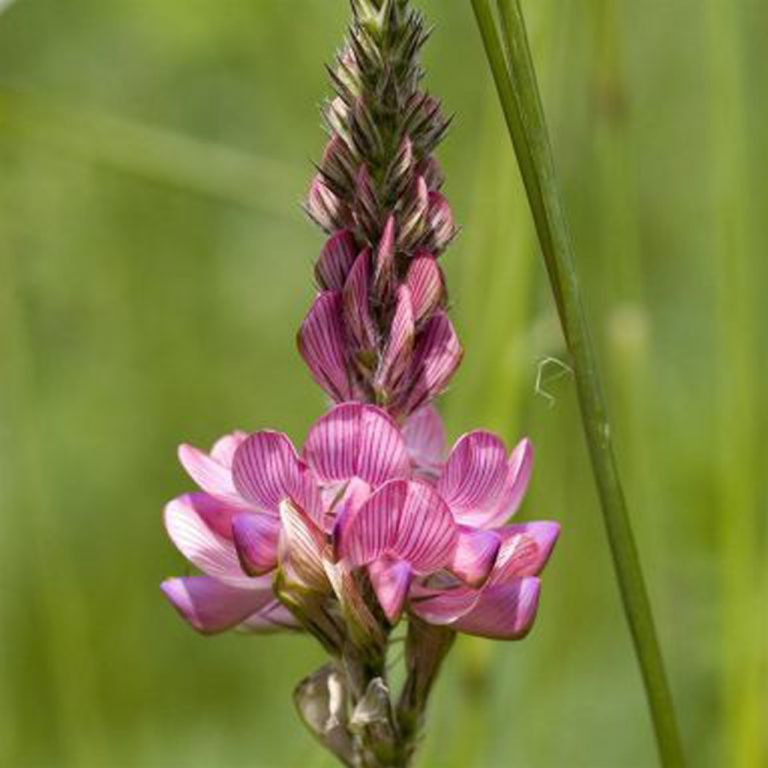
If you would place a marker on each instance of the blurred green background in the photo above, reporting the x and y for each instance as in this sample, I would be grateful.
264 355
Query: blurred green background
155 264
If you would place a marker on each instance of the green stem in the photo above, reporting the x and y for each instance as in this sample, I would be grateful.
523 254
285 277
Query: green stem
521 102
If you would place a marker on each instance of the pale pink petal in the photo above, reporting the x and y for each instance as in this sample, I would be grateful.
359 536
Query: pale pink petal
303 545
424 436
356 303
336 260
475 555
399 349
441 222
212 554
384 274
224 449
216 511
391 580
515 484
356 440
426 535
210 606
267 470
326 209
274 617
426 283
503 612
256 538
211 475
444 607
473 477
322 345
525 550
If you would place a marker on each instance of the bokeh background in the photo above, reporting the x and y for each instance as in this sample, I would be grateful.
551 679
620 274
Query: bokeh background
155 264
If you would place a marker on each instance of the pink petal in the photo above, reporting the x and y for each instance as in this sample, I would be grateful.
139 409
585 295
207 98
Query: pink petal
391 580
336 260
212 554
525 550
256 537
400 343
356 440
426 283
473 477
445 607
211 475
210 606
384 274
267 470
327 210
441 222
356 303
303 544
425 438
322 345
224 449
475 555
216 511
436 357
274 617
515 484
503 612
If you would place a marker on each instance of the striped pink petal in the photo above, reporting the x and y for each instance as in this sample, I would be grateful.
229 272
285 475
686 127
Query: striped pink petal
475 555
400 343
384 274
274 617
336 260
391 580
212 607
256 537
473 477
424 436
519 469
326 209
441 222
216 511
356 303
356 440
503 612
525 550
443 607
224 448
426 283
210 474
212 554
322 344
303 545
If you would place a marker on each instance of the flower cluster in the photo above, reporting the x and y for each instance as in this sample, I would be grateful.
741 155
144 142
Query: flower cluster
374 520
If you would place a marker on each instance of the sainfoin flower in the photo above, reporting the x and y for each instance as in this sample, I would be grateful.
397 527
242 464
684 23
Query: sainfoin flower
373 522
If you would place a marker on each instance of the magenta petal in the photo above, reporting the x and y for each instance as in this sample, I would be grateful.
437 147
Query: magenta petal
216 511
391 580
525 550
256 538
473 477
267 470
425 281
211 475
445 607
426 535
212 554
356 303
210 606
400 343
425 437
322 345
384 274
475 555
336 260
503 612
355 440
270 619
516 482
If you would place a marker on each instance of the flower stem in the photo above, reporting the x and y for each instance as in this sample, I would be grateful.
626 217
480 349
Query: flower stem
518 92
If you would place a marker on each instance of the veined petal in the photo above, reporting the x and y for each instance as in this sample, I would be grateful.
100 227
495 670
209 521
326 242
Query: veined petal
384 274
424 436
212 554
441 222
475 555
356 440
302 545
391 580
256 538
356 303
274 617
216 511
473 477
211 475
212 607
322 344
525 550
400 343
504 611
446 606
224 448
336 260
516 482
426 283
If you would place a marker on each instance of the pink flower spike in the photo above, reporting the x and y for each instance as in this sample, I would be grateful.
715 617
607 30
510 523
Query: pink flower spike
356 440
356 302
322 345
426 283
336 260
424 435
391 580
256 537
212 607
525 550
475 555
400 344
473 477
519 470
